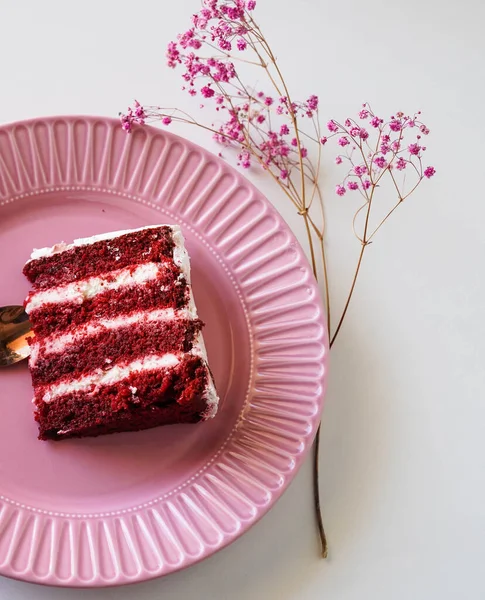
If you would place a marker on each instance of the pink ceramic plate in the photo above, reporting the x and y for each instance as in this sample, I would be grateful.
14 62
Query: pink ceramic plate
129 507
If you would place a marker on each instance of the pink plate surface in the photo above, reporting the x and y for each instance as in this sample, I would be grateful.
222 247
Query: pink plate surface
128 507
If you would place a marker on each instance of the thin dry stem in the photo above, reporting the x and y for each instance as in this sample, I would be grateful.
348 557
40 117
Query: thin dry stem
364 245
304 214
316 494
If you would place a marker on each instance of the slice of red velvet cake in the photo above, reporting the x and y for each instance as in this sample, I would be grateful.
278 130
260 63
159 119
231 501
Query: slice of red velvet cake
118 344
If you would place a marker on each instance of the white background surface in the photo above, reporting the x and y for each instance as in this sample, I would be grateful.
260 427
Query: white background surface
403 449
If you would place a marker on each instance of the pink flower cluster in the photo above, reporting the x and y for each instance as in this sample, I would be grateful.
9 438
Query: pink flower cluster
221 27
219 23
373 146
267 128
275 149
135 114
253 117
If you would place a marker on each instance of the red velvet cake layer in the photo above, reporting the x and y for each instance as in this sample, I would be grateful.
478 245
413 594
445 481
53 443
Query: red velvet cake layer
142 401
138 247
110 346
60 317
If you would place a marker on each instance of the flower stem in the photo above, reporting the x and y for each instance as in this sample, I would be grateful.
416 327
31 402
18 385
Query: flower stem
316 495
304 214
349 297
365 242
316 445
326 287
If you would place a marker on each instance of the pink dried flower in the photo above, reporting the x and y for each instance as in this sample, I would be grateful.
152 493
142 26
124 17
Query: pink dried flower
139 111
429 172
225 44
414 149
340 190
251 4
338 160
363 133
348 122
241 44
200 20
194 43
294 142
424 130
166 120
207 91
260 118
343 141
396 146
268 101
126 123
303 152
364 114
366 184
284 174
284 149
133 115
284 130
279 110
360 170
245 159
323 140
354 131
173 55
401 163
332 126
380 161
375 121
395 125
186 37
312 102
353 185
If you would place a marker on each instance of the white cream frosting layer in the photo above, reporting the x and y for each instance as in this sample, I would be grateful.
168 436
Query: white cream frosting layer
116 373
180 254
85 289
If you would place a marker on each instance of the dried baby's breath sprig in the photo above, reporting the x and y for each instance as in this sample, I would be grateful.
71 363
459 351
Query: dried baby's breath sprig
282 134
